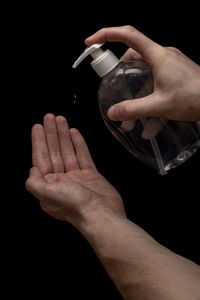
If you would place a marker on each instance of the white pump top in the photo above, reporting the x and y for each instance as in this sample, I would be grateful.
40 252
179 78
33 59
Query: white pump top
103 61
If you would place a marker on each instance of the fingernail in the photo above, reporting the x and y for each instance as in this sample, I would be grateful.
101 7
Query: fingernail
113 113
89 39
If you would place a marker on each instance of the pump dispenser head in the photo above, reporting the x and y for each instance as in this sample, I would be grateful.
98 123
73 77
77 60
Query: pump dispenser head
103 61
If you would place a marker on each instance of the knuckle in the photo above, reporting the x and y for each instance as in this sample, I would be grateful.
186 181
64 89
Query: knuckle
28 184
129 28
174 49
102 30
44 207
130 51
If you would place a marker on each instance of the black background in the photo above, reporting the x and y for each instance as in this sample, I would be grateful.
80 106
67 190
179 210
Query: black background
52 256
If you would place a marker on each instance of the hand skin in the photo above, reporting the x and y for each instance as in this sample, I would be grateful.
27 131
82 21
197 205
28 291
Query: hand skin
176 93
66 182
64 177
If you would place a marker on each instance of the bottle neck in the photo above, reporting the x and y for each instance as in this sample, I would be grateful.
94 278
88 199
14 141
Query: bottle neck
104 63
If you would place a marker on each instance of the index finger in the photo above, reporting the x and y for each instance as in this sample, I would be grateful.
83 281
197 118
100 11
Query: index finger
40 152
131 37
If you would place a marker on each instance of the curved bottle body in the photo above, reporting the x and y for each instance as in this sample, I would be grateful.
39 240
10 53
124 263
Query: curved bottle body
159 143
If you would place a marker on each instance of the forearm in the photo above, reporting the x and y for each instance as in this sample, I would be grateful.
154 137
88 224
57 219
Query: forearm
138 265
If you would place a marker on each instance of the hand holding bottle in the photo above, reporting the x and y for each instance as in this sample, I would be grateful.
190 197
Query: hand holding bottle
176 93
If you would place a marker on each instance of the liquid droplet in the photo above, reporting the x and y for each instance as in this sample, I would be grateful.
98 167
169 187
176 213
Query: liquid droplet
74 99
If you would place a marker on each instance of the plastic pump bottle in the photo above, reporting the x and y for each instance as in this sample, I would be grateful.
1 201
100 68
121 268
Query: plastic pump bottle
159 143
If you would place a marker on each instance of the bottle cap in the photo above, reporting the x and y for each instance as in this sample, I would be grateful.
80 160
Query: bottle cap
103 61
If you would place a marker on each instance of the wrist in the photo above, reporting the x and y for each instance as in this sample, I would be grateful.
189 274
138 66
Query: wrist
97 217
102 225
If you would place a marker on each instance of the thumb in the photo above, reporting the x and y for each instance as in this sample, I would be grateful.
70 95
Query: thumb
134 109
35 184
129 35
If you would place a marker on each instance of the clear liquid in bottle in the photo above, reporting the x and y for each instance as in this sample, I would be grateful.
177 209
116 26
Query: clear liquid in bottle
159 143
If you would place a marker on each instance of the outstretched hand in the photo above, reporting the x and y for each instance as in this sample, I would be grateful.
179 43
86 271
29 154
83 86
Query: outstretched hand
64 177
69 187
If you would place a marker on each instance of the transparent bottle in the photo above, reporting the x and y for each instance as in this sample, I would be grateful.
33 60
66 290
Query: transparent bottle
159 143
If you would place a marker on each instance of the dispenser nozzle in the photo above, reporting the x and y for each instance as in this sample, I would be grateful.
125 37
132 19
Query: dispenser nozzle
89 50
103 61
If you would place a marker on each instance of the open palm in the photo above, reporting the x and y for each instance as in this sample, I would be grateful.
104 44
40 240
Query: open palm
64 177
